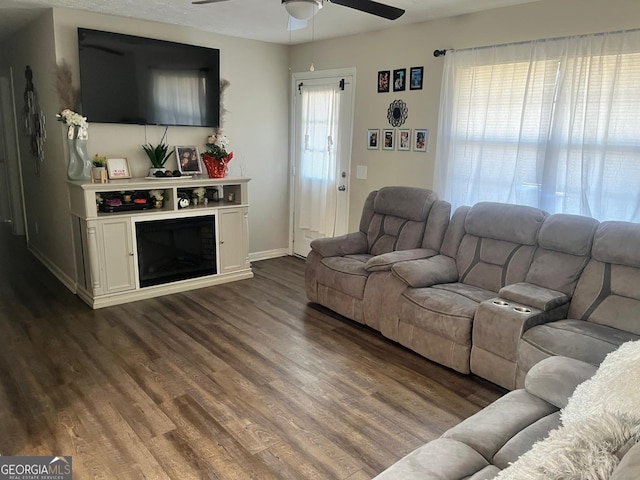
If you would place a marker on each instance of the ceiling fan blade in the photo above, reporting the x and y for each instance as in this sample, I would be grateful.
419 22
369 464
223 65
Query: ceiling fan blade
202 2
374 8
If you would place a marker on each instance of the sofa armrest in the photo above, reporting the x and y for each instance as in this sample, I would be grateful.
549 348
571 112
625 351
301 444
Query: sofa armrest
535 296
349 244
427 271
387 260
555 378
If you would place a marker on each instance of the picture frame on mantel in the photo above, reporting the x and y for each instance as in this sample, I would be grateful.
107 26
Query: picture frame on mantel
117 168
188 160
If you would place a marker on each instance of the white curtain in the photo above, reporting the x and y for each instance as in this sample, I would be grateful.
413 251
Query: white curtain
318 166
551 123
178 97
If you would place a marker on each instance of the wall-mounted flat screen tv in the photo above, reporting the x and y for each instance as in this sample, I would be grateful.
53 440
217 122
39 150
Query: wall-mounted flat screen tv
128 79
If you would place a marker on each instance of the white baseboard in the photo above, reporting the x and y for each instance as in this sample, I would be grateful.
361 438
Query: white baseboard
267 254
65 279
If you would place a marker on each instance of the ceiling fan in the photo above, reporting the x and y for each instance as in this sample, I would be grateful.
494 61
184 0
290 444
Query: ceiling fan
305 9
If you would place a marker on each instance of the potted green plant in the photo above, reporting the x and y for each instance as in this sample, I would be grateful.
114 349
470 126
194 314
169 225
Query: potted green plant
158 155
99 168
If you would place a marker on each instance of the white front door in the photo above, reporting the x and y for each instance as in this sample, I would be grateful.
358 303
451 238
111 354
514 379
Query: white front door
321 145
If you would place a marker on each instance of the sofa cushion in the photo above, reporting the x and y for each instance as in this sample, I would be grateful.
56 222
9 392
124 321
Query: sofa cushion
345 274
608 294
491 264
406 202
571 234
387 260
492 427
446 310
522 441
487 473
617 242
554 379
387 233
513 223
629 466
586 341
441 458
565 243
428 271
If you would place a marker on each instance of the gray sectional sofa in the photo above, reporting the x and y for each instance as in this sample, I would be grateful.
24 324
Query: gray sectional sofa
492 290
483 445
510 293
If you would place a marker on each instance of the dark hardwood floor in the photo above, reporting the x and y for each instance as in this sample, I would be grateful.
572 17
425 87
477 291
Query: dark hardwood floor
239 381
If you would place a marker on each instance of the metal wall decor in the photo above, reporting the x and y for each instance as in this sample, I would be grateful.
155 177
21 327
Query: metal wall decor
34 120
397 113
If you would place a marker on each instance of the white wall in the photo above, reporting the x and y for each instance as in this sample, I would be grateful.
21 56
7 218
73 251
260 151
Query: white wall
409 46
45 194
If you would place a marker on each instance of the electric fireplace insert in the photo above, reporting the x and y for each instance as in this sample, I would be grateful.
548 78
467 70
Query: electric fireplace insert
176 249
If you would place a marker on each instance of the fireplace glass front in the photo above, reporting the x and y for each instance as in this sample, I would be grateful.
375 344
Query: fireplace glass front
175 249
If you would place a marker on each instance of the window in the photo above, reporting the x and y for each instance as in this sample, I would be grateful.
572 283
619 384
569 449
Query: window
178 97
552 124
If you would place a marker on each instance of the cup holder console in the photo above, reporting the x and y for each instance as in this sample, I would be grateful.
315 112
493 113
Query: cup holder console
522 310
500 303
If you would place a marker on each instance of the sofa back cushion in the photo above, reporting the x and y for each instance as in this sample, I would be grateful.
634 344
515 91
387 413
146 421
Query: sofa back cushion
498 245
564 248
397 218
607 292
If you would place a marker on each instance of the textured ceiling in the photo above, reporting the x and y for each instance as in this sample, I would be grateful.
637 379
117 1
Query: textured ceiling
264 20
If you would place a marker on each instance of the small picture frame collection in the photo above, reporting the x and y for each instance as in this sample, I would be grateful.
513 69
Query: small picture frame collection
396 80
401 139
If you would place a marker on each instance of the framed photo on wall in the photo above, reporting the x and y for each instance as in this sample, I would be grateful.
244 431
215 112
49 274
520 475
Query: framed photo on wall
118 167
188 160
373 137
400 80
415 78
384 81
420 139
388 138
404 139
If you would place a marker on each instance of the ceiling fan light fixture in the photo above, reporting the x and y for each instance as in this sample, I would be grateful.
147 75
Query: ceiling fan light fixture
302 9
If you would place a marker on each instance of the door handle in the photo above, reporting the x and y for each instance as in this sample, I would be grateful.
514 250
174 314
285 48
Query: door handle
342 188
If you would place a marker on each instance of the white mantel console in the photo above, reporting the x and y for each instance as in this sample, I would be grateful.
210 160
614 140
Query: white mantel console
106 244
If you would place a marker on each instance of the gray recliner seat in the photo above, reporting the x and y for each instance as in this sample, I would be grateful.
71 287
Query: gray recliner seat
409 221
604 312
487 247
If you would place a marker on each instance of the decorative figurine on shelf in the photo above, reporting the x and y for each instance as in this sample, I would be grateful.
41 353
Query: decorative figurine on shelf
157 196
183 201
198 195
